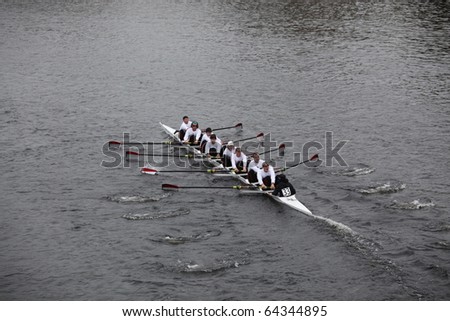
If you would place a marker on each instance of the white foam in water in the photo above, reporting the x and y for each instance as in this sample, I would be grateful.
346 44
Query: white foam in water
358 171
385 188
137 198
414 205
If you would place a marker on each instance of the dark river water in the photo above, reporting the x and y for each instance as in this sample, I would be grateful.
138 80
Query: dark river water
374 75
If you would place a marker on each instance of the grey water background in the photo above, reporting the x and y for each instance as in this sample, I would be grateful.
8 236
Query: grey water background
75 74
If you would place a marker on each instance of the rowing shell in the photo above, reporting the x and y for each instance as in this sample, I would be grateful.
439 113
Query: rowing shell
290 201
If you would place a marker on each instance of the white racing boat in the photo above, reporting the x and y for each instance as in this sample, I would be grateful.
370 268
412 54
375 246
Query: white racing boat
290 201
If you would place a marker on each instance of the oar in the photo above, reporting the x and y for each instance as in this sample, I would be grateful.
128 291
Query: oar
238 125
280 149
153 171
176 187
259 136
129 152
117 143
313 157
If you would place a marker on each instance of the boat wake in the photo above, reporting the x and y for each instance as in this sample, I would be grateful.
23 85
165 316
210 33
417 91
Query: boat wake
137 198
175 240
414 205
385 188
156 215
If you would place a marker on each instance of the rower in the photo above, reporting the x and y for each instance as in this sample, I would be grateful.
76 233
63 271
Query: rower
254 167
192 135
227 153
266 176
185 125
206 138
282 187
213 147
239 161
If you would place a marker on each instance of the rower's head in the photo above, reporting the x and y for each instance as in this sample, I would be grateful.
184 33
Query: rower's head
230 145
281 178
208 131
238 151
265 167
213 138
256 157
185 119
194 125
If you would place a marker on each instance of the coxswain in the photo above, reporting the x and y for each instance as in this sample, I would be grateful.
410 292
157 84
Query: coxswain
227 153
282 187
254 167
193 134
213 146
239 161
185 125
266 177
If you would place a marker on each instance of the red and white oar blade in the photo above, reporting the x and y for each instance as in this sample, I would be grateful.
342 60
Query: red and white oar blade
260 137
149 171
281 149
170 187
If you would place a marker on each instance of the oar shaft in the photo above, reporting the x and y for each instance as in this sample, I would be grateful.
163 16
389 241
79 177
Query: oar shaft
314 157
239 125
144 143
249 138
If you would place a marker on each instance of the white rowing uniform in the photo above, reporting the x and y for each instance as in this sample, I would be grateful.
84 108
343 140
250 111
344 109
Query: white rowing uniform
191 132
263 174
207 139
258 165
209 145
185 126
227 152
235 159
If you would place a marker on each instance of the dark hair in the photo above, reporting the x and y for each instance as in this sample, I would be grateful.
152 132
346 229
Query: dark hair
184 117
213 136
208 130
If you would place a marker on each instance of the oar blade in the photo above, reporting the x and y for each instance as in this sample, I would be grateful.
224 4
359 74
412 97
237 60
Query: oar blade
238 126
314 157
114 143
130 152
149 171
170 187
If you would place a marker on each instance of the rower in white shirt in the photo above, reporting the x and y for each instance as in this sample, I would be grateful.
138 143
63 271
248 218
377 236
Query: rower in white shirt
185 125
266 176
206 138
239 161
193 134
254 167
227 153
213 147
